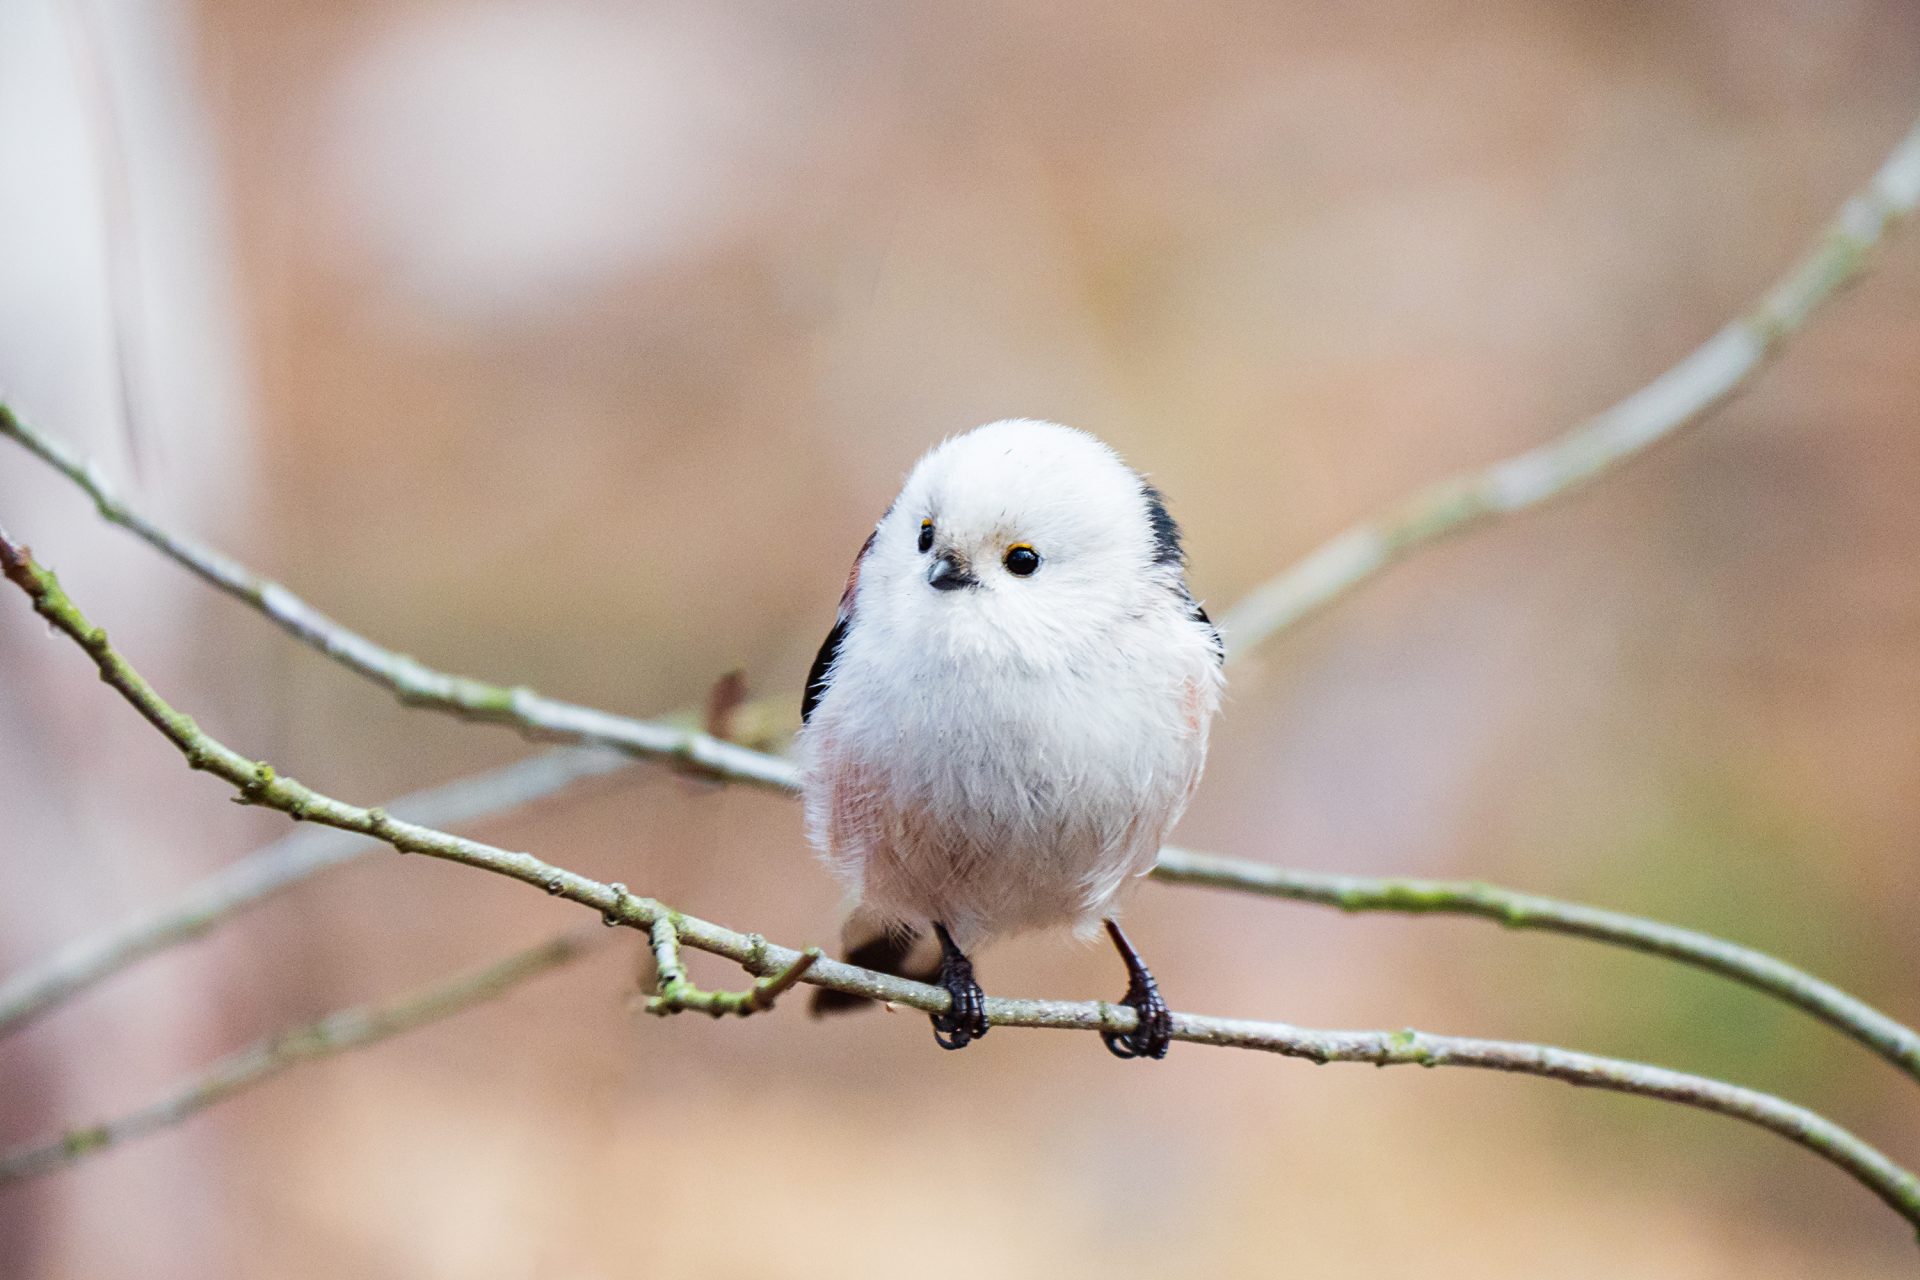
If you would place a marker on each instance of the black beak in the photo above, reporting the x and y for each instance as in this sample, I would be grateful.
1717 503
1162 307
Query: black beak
949 574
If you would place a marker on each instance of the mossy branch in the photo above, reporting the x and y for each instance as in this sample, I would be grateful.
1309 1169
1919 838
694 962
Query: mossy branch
335 1034
1848 1014
288 862
257 783
674 992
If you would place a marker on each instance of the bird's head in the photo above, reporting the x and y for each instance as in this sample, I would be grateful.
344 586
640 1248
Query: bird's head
1019 541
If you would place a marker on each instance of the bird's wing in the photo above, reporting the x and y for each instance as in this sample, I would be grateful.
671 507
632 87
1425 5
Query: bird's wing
1171 554
1199 614
817 678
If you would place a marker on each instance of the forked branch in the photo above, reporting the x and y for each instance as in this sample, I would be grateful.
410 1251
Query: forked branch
674 992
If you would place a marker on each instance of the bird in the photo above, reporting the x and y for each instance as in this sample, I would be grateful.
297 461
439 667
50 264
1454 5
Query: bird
1009 714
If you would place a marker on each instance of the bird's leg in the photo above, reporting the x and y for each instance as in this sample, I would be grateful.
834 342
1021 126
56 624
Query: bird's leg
966 1019
1155 1032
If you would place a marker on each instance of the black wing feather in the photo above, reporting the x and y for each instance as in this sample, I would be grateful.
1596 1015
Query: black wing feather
1166 530
1219 642
817 678
1168 551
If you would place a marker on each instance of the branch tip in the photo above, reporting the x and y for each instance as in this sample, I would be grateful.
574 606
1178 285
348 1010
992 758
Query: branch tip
675 993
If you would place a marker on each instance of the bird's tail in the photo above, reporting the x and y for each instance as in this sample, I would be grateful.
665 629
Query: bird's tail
905 953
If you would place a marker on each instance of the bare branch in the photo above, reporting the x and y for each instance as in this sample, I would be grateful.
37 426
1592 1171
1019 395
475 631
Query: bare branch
257 783
1677 399
278 867
337 1033
1848 1014
412 682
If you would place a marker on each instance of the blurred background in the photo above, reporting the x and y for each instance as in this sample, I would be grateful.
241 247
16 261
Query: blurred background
580 343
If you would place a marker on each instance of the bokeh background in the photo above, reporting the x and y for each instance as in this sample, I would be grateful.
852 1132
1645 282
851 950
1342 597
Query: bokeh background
579 343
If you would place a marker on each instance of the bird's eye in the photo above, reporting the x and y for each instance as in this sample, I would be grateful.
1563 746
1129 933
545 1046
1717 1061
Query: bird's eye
1021 560
926 536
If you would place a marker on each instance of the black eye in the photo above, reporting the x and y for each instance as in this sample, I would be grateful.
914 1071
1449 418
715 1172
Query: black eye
926 535
1021 560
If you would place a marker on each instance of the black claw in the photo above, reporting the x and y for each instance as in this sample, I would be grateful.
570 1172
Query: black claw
966 1018
1154 1031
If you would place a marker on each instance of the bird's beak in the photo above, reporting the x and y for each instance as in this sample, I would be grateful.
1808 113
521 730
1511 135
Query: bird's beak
948 573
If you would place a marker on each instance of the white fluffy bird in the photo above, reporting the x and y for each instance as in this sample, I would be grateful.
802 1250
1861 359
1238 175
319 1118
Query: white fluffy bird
1010 712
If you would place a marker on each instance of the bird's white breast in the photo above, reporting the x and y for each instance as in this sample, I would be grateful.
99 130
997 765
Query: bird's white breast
963 784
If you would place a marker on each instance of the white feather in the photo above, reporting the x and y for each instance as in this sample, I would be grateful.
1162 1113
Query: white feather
1010 755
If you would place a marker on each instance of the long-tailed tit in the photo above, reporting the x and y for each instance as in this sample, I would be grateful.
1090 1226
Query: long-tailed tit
1010 712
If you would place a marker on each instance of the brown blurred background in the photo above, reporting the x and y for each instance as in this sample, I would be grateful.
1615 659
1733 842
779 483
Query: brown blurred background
579 343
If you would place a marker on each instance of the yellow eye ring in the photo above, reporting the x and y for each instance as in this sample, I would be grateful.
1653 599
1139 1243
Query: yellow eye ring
1021 560
926 536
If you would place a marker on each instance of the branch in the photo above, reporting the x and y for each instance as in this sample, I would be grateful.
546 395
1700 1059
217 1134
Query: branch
337 1033
1677 399
277 868
675 993
285 863
257 783
412 682
1848 1014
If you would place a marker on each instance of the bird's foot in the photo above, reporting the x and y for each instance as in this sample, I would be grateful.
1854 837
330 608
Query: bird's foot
965 1020
1153 1031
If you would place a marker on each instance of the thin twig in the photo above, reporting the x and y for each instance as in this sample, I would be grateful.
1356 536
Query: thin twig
257 783
411 681
337 1033
1848 1014
1677 399
674 992
278 867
